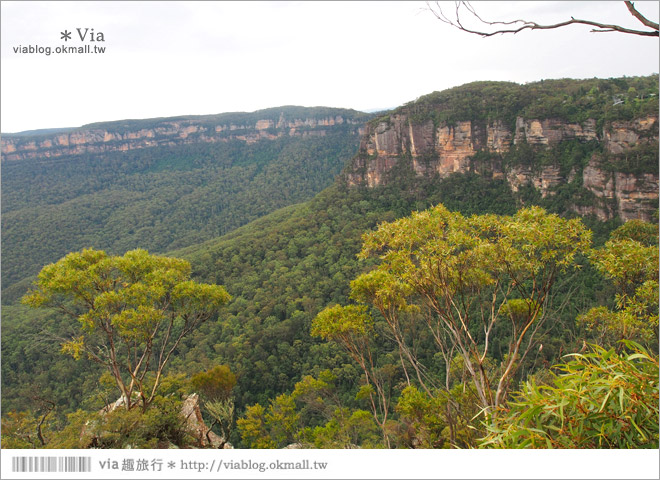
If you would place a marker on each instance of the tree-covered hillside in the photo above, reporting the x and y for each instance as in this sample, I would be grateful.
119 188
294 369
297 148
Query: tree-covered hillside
405 315
565 99
157 198
280 270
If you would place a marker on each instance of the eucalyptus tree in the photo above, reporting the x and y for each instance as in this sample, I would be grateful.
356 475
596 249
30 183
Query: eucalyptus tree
129 312
464 280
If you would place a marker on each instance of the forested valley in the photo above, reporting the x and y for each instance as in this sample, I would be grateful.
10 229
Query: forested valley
427 310
163 197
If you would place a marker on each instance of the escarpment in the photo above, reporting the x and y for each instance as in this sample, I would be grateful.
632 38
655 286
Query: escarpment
615 171
128 135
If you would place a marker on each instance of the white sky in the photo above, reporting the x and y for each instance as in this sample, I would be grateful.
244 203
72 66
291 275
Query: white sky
180 58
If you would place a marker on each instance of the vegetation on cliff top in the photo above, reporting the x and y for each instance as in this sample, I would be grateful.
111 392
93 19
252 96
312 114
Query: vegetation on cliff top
158 198
244 120
284 269
567 99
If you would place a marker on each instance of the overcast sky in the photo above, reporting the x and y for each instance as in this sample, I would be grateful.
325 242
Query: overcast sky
179 58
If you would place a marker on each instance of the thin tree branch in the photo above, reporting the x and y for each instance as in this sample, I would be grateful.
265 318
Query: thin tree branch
530 25
633 11
50 406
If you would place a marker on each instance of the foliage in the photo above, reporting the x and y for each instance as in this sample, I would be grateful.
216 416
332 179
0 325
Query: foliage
160 425
159 198
281 271
567 99
76 432
253 428
440 419
423 415
346 429
638 160
469 275
285 268
600 399
630 260
22 430
605 398
133 311
215 384
311 416
222 412
32 362
643 232
352 327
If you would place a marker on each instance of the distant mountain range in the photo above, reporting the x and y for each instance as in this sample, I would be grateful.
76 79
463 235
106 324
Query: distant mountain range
273 205
162 183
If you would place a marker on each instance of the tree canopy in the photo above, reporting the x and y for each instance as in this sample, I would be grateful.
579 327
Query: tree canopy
466 278
132 312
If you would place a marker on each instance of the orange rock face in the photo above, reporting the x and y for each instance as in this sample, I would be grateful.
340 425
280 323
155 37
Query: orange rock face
167 132
448 148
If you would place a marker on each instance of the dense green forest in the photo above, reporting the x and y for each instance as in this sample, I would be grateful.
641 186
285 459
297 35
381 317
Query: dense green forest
313 291
158 198
575 101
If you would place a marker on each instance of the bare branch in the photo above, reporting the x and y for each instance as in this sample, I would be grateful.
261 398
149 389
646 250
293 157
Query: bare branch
517 26
633 11
48 406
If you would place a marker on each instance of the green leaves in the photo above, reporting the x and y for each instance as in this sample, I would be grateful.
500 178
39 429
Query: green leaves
630 260
381 288
214 384
441 248
337 321
253 428
128 308
74 347
190 295
311 417
137 324
468 274
601 399
518 309
532 240
73 275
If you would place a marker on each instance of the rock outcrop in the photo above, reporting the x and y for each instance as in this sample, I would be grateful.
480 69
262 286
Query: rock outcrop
628 196
445 148
197 428
122 136
551 131
191 417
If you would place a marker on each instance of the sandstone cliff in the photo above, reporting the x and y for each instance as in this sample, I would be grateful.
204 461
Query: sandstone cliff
444 148
131 135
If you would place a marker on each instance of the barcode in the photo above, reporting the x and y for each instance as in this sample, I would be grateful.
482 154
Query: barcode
51 464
